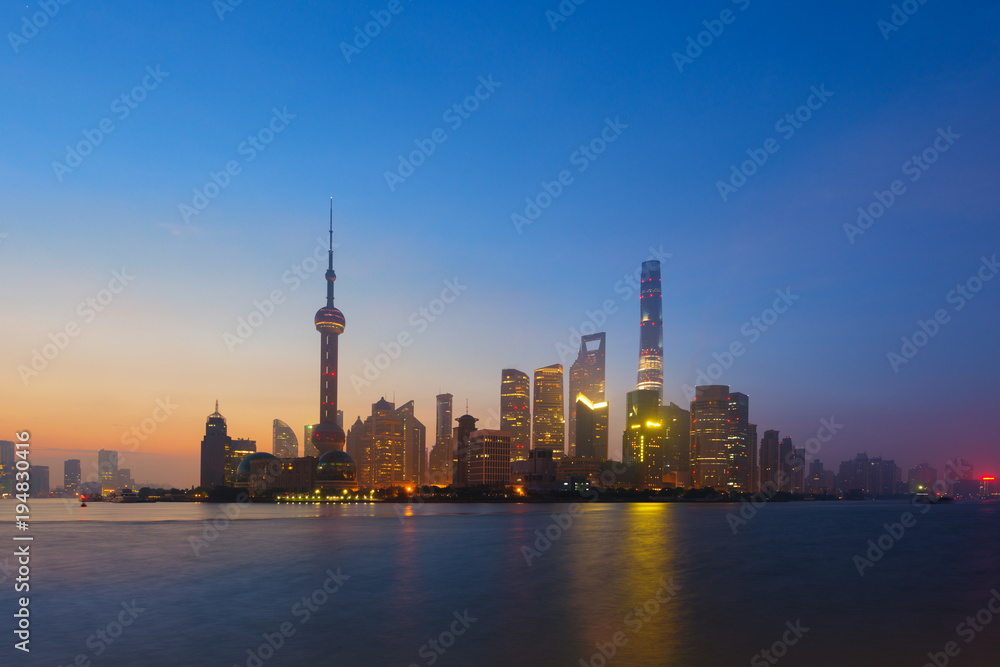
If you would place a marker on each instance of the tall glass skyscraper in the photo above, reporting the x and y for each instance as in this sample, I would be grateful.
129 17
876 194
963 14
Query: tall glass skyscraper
515 411
644 438
440 473
548 421
720 439
586 377
651 330
284 444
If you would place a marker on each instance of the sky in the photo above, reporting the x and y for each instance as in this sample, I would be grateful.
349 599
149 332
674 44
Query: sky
174 165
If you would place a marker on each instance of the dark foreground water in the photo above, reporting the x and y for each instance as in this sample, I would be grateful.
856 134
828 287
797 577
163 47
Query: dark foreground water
126 586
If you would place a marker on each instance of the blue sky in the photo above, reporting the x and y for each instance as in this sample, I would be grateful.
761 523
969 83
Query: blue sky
655 186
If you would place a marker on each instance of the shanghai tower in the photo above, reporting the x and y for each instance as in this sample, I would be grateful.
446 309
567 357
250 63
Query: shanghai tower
327 435
651 330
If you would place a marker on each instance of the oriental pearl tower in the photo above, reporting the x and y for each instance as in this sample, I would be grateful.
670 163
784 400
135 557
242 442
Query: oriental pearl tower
327 435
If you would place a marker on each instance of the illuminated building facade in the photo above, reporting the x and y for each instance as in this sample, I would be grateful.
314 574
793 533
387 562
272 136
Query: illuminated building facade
515 411
239 449
548 424
720 439
644 438
414 445
107 465
591 429
284 444
489 458
440 472
651 330
382 448
72 475
586 377
677 444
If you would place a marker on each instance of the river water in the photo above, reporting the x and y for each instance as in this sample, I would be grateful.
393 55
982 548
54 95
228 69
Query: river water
483 585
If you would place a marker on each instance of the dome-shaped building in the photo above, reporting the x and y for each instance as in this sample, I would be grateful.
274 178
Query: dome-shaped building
255 469
336 471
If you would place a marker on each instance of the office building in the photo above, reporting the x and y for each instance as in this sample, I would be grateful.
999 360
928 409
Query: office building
720 439
215 447
239 449
439 463
591 429
651 330
786 453
284 444
515 411
586 378
548 422
489 458
921 477
107 469
39 481
644 439
414 445
770 462
677 445
72 475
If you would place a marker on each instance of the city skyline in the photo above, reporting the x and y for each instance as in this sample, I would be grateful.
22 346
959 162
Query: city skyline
171 312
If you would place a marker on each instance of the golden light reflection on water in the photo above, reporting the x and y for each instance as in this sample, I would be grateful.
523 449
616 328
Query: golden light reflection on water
623 557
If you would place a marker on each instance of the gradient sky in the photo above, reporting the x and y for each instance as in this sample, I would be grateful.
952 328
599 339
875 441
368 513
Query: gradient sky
654 187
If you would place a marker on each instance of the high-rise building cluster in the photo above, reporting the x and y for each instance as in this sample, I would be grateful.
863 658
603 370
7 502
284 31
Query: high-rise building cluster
547 439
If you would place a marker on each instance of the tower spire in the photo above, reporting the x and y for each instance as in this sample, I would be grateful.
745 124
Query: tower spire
331 233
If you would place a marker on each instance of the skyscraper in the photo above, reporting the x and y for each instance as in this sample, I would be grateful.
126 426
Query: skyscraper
382 461
592 429
7 466
462 458
328 435
754 463
72 475
489 458
107 469
414 445
548 428
586 377
308 449
786 464
284 444
39 480
441 454
515 411
770 462
677 447
644 438
720 439
651 330
214 451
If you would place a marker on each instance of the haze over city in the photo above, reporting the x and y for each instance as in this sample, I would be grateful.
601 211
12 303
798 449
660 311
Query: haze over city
542 96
